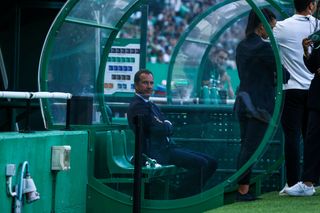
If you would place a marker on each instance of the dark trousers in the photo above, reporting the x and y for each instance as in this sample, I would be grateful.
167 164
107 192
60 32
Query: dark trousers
201 163
251 133
200 167
294 123
311 165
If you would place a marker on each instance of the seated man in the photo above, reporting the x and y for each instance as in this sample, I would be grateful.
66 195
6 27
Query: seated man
215 74
158 144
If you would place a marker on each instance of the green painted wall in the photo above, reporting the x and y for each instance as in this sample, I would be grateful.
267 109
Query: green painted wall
70 187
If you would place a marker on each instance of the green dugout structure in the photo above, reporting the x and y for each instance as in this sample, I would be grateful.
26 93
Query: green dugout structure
83 55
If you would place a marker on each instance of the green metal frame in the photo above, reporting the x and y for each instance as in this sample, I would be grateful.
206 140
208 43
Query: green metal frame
62 17
275 118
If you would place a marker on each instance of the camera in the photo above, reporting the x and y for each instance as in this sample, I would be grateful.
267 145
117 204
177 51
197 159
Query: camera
315 37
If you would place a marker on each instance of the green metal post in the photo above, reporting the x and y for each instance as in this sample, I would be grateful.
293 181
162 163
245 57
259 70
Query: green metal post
143 39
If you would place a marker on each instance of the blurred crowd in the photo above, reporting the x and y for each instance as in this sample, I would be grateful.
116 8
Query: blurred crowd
168 19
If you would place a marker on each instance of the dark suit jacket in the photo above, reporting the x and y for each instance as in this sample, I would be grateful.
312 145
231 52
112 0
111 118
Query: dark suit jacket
257 71
157 131
313 63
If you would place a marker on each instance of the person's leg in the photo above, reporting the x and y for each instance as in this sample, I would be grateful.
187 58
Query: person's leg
255 131
292 119
209 166
305 115
312 148
311 162
243 123
208 170
200 166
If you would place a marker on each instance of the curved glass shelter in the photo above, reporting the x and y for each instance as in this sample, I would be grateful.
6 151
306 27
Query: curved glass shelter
83 55
200 43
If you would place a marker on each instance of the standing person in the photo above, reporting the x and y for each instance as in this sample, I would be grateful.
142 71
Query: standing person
289 34
311 163
158 131
256 68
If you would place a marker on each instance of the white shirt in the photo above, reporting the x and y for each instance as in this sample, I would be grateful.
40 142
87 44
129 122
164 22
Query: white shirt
289 34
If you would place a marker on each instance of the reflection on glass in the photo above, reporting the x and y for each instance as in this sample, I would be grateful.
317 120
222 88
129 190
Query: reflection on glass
216 82
185 72
99 11
73 67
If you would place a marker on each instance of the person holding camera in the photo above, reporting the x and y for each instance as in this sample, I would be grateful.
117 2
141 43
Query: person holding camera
311 164
294 118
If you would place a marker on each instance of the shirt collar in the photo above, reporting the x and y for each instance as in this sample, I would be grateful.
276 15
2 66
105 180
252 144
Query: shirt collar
145 100
302 17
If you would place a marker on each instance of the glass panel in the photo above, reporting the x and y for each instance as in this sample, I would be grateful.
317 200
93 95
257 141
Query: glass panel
206 29
73 67
212 32
101 12
184 78
122 63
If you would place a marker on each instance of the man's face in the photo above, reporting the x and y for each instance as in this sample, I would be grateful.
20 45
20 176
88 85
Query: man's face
264 33
145 86
313 7
220 58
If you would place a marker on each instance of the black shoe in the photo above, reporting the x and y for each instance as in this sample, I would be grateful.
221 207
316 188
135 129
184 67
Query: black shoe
245 197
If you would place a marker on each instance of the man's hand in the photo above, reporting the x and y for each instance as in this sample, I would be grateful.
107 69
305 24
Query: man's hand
306 43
